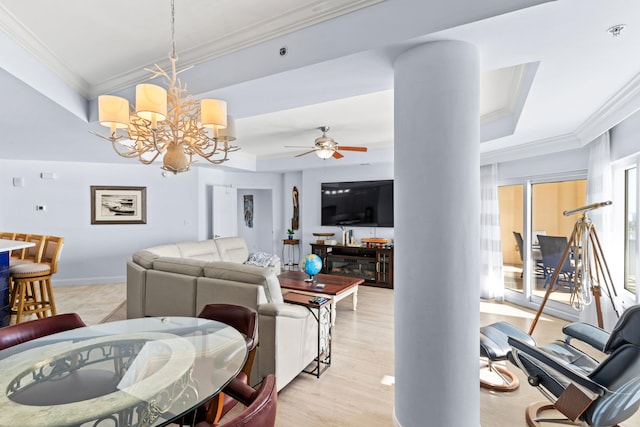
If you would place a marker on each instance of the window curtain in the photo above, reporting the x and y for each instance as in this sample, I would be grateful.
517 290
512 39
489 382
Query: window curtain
599 189
491 275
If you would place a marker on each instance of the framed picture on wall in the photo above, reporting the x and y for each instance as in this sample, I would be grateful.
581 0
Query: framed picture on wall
118 205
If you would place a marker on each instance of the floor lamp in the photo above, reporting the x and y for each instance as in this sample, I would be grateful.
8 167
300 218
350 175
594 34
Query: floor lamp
591 272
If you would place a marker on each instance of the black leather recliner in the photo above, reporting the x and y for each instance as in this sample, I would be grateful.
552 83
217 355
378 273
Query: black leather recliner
599 393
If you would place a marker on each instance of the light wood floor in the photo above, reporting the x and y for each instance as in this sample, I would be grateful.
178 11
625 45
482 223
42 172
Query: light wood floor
350 392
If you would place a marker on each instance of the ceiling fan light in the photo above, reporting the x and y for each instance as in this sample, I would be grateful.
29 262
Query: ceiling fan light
324 153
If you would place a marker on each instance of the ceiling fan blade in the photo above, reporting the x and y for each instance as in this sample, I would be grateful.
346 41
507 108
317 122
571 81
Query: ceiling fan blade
347 148
297 146
337 155
304 154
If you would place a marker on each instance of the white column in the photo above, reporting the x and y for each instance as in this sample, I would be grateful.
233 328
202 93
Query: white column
437 212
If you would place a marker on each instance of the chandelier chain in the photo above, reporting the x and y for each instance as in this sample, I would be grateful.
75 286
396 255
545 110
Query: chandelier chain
173 29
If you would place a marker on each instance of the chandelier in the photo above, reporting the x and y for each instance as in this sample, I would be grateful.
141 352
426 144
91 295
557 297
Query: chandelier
168 122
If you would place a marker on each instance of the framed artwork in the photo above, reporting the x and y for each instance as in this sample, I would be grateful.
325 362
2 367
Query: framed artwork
118 205
248 210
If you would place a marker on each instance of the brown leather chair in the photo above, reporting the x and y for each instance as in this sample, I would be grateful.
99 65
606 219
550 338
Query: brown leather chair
78 384
261 404
27 331
245 320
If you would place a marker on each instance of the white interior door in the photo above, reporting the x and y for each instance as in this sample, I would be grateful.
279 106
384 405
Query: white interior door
225 211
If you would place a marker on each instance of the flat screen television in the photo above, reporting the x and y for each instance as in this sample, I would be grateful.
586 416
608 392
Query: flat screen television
357 203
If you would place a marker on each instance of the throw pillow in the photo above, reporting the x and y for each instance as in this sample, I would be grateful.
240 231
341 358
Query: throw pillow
262 259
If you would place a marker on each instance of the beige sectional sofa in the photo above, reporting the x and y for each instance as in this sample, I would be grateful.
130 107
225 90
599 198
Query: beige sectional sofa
180 279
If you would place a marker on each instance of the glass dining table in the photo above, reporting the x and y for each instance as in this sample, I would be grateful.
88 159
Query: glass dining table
136 372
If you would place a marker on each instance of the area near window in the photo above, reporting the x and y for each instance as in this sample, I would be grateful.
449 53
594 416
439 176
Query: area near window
631 216
548 202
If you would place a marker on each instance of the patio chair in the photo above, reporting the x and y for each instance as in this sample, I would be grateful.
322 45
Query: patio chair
539 266
552 248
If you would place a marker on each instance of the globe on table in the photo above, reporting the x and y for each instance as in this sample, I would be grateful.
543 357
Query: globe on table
311 264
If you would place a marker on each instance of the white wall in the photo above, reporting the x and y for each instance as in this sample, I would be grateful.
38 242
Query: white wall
625 138
310 200
551 164
259 238
178 209
95 253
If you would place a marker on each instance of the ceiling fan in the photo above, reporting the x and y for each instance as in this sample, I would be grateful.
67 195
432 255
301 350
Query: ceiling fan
326 147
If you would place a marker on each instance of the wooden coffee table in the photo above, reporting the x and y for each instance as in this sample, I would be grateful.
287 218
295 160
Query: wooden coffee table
330 286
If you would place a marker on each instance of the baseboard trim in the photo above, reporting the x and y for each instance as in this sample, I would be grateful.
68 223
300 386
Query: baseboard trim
89 281
396 423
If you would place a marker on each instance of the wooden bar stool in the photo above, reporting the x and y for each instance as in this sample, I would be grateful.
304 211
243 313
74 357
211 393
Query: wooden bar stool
29 255
32 291
33 253
17 254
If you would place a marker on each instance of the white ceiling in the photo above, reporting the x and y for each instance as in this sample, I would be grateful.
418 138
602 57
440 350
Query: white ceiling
553 78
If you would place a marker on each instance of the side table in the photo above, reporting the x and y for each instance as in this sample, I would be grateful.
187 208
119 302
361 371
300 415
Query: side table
290 254
322 313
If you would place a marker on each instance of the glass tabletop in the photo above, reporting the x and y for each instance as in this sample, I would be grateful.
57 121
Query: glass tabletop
136 372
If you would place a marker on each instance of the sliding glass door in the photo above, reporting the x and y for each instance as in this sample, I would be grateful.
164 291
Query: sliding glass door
549 201
527 211
511 230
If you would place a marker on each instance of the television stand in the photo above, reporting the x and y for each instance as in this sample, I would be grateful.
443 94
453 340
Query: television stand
374 265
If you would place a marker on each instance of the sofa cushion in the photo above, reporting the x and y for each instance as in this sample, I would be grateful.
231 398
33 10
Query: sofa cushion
146 257
263 276
232 249
205 250
166 250
190 267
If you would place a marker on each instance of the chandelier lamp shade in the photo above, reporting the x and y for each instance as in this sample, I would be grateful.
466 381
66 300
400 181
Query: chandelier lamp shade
168 122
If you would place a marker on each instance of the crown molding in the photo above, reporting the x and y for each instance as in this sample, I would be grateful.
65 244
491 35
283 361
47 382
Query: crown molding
242 37
266 29
35 47
617 108
513 95
530 149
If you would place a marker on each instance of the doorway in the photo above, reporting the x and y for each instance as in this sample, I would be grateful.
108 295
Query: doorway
228 216
224 211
